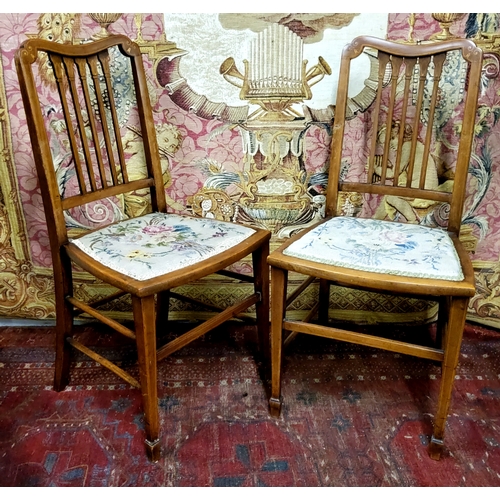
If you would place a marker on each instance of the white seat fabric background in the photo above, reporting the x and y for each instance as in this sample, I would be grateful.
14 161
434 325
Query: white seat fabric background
381 247
154 244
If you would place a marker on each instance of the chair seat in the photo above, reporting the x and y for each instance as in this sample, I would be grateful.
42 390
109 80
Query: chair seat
380 247
155 244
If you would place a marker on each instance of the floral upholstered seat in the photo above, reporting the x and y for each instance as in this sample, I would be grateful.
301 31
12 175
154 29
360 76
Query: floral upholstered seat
159 243
381 247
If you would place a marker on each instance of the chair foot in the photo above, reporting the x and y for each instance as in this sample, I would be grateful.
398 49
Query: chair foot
61 376
153 450
59 386
275 407
435 448
62 364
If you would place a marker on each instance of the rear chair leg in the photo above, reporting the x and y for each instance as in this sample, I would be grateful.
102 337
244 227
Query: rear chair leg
451 343
64 321
261 286
279 279
324 301
162 310
64 326
144 317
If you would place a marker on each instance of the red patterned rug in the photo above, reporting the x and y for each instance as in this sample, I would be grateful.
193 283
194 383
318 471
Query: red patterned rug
352 416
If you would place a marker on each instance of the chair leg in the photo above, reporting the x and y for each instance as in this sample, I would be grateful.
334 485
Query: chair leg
144 317
324 301
261 286
442 320
451 343
279 279
162 310
64 323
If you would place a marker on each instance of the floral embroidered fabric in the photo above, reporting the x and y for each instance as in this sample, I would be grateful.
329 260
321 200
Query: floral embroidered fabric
158 243
381 247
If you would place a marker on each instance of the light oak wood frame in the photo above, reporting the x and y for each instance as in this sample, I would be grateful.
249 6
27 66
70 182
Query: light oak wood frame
70 63
452 296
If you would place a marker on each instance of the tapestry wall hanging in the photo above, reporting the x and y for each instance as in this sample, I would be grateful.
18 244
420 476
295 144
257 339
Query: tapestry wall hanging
243 105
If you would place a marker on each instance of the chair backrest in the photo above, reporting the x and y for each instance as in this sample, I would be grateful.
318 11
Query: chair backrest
88 109
409 133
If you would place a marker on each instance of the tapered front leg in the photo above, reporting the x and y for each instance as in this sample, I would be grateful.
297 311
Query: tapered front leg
261 286
144 317
451 344
279 279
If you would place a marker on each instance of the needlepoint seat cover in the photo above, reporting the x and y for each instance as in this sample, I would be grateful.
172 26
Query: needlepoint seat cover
158 243
381 247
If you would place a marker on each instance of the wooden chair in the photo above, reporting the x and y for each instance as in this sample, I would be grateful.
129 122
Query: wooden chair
101 92
426 94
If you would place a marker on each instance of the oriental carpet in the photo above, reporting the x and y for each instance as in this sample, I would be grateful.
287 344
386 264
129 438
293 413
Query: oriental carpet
352 416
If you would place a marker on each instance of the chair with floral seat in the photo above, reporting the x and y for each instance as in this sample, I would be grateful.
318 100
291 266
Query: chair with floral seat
82 104
395 196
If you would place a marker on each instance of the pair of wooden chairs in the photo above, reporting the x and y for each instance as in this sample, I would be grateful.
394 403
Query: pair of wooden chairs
84 168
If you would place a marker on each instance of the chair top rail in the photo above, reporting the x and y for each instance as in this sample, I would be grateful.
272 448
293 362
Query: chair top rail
469 49
29 48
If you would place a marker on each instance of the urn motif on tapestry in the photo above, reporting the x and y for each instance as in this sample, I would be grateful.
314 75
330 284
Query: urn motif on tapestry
275 78
275 190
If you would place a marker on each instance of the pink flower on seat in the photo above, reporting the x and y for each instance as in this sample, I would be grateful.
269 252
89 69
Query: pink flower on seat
157 229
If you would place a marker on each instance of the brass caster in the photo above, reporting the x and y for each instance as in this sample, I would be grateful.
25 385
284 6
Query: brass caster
435 448
153 450
275 407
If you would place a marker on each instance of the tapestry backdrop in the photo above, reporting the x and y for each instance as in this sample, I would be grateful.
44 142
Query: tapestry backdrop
243 106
